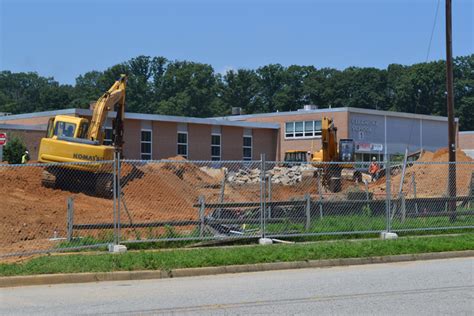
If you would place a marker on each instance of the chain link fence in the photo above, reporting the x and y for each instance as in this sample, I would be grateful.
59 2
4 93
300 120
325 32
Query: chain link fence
70 206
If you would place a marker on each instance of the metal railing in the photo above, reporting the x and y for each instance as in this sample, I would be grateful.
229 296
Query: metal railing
64 207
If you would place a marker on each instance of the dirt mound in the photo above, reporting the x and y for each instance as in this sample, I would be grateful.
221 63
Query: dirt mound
30 214
430 176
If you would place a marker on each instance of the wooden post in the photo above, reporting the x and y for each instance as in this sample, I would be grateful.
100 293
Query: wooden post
403 207
224 180
413 181
307 197
270 195
70 217
367 193
202 207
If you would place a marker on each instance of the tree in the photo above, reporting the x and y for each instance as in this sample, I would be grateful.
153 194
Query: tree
14 150
188 89
239 89
157 85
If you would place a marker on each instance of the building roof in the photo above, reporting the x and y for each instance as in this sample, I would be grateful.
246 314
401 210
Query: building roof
343 109
22 127
467 133
145 117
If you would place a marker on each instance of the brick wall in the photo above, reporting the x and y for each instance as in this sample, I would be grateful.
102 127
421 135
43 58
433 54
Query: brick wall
466 140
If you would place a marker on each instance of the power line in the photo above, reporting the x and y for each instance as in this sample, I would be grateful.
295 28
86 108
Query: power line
432 31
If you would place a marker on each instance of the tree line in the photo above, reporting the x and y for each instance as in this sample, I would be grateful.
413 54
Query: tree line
161 86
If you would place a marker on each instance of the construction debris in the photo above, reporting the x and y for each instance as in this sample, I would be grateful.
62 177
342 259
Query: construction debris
279 175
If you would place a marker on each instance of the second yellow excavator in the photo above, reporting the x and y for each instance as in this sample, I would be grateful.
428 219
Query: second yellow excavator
331 159
78 140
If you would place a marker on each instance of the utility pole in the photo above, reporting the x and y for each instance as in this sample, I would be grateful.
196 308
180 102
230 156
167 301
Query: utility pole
451 123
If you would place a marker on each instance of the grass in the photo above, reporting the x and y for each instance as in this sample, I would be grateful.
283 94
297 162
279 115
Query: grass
179 258
328 224
350 223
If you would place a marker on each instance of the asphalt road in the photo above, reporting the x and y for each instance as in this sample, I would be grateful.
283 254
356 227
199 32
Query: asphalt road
413 288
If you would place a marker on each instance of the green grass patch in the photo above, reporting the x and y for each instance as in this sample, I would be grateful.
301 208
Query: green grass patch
350 223
179 258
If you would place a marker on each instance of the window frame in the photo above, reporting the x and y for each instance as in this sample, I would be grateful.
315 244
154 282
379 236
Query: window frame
304 134
182 144
146 142
108 142
247 147
214 157
65 125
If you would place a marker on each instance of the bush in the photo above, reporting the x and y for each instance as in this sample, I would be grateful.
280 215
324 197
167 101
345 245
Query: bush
13 150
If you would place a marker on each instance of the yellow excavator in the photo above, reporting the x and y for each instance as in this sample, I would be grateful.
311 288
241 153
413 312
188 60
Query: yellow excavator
72 139
341 155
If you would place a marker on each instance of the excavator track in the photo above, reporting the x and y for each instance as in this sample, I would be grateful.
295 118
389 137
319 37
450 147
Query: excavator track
94 184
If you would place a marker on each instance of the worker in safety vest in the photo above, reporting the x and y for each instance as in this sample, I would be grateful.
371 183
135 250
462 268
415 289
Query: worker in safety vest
374 169
25 157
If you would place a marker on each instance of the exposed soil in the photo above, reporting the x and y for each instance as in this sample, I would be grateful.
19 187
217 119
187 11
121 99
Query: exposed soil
31 213
430 177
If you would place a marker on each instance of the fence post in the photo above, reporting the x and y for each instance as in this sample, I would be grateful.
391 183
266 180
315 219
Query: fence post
270 195
202 207
263 187
114 175
320 197
70 217
119 196
307 198
388 194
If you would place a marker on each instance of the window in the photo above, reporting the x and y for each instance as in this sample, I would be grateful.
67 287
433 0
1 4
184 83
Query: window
64 129
146 144
289 129
303 129
247 148
83 129
216 147
183 144
299 129
308 128
108 135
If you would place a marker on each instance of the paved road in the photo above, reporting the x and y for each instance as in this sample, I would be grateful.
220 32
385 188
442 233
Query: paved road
414 288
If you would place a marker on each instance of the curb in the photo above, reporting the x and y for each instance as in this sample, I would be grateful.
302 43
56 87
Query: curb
47 279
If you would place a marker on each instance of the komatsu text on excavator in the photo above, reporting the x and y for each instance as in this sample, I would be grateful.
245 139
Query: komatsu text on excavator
76 139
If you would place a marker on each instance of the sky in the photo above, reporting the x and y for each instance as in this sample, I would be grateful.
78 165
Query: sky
63 39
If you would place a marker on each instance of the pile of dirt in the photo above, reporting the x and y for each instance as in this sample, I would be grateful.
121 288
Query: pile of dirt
431 175
30 214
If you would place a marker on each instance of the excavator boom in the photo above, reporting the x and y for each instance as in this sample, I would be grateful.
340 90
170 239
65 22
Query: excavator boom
106 103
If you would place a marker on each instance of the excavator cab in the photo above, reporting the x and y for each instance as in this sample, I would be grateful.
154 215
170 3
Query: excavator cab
346 150
67 126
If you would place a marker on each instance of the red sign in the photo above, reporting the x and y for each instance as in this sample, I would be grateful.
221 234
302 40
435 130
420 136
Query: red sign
3 138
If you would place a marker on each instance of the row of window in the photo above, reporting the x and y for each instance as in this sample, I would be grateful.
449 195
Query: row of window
302 129
182 145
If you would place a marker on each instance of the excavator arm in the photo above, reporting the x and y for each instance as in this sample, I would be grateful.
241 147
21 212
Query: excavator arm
113 99
329 140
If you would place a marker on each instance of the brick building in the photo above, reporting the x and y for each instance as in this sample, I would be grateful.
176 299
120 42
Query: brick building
376 133
149 136
246 137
